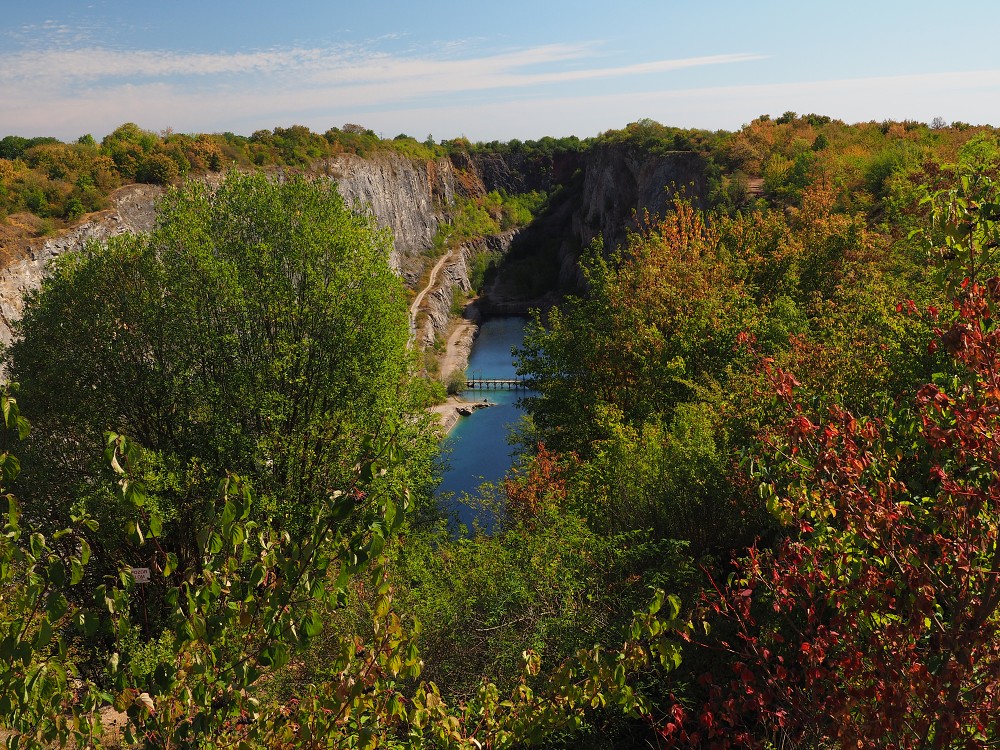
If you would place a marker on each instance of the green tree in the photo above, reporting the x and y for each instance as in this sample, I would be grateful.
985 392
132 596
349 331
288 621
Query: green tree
257 329
659 322
158 169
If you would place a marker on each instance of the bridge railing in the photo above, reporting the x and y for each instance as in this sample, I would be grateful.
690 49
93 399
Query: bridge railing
489 384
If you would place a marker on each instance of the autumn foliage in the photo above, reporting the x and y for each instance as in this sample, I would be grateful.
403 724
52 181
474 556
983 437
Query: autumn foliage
876 624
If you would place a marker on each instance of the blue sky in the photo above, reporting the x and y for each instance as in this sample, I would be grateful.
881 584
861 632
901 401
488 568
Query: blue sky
488 70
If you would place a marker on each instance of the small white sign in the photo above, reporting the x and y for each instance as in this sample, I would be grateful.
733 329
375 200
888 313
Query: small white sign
141 575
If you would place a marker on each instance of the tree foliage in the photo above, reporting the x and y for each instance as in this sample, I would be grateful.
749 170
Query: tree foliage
258 329
250 602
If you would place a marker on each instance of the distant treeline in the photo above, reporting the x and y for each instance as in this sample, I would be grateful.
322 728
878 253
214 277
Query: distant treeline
59 181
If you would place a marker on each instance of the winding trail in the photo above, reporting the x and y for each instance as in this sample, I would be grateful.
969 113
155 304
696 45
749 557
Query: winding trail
419 299
456 354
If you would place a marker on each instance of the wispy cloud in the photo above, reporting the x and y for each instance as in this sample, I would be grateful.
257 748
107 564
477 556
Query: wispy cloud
54 34
972 96
345 66
96 64
82 88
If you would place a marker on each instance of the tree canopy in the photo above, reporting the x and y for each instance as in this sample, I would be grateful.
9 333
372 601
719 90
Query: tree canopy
258 329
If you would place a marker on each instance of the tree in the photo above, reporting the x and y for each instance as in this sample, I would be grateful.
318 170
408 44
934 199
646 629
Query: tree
877 622
657 321
257 329
158 169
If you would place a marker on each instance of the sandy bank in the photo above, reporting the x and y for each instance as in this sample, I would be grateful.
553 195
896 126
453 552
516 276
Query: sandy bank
448 411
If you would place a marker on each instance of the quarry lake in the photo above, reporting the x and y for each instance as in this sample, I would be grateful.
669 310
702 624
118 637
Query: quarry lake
477 449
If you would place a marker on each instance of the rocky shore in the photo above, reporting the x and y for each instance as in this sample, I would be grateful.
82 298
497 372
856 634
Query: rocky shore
454 408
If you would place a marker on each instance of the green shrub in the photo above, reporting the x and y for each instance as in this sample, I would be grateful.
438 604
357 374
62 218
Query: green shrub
456 382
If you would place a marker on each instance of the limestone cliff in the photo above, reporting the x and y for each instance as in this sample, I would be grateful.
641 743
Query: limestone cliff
408 197
131 211
608 192
620 184
597 192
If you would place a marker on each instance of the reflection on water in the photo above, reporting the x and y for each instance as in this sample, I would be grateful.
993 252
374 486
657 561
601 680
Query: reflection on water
477 448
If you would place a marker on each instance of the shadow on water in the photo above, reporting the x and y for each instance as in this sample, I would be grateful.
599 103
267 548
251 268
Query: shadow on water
477 449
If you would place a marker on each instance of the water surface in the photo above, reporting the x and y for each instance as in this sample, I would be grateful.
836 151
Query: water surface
477 449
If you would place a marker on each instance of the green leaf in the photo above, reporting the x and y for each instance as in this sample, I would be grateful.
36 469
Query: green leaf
215 543
85 549
76 574
44 635
36 543
312 625
56 572
134 532
675 606
56 605
170 565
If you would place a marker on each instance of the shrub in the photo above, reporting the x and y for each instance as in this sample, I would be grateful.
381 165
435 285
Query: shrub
456 382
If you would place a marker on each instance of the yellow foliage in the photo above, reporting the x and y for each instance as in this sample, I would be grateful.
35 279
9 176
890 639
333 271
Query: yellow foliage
10 170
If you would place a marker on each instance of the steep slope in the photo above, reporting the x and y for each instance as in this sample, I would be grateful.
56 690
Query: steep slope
598 192
131 211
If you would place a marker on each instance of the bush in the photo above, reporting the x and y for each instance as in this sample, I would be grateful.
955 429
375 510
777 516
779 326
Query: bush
456 382
158 169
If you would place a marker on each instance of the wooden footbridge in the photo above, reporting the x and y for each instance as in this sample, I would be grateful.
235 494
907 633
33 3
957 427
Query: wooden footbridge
494 384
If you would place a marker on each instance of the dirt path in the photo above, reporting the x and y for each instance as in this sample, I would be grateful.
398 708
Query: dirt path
458 348
419 299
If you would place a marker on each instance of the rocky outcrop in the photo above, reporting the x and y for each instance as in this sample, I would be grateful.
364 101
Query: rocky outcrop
607 195
620 185
132 211
408 197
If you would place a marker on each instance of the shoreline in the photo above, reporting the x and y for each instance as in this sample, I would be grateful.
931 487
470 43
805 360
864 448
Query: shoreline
448 413
456 358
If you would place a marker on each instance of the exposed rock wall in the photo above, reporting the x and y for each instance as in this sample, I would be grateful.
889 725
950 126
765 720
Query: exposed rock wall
619 185
132 211
607 194
409 197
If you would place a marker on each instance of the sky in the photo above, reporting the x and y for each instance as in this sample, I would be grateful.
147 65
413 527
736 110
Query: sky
488 70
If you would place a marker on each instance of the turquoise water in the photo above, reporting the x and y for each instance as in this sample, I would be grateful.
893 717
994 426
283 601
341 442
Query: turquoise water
477 449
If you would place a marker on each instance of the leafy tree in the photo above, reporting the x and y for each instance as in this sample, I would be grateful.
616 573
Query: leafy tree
657 322
12 147
158 169
37 702
877 622
258 329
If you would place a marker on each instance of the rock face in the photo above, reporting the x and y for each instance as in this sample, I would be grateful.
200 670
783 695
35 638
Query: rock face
408 197
132 211
607 194
620 184
600 193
